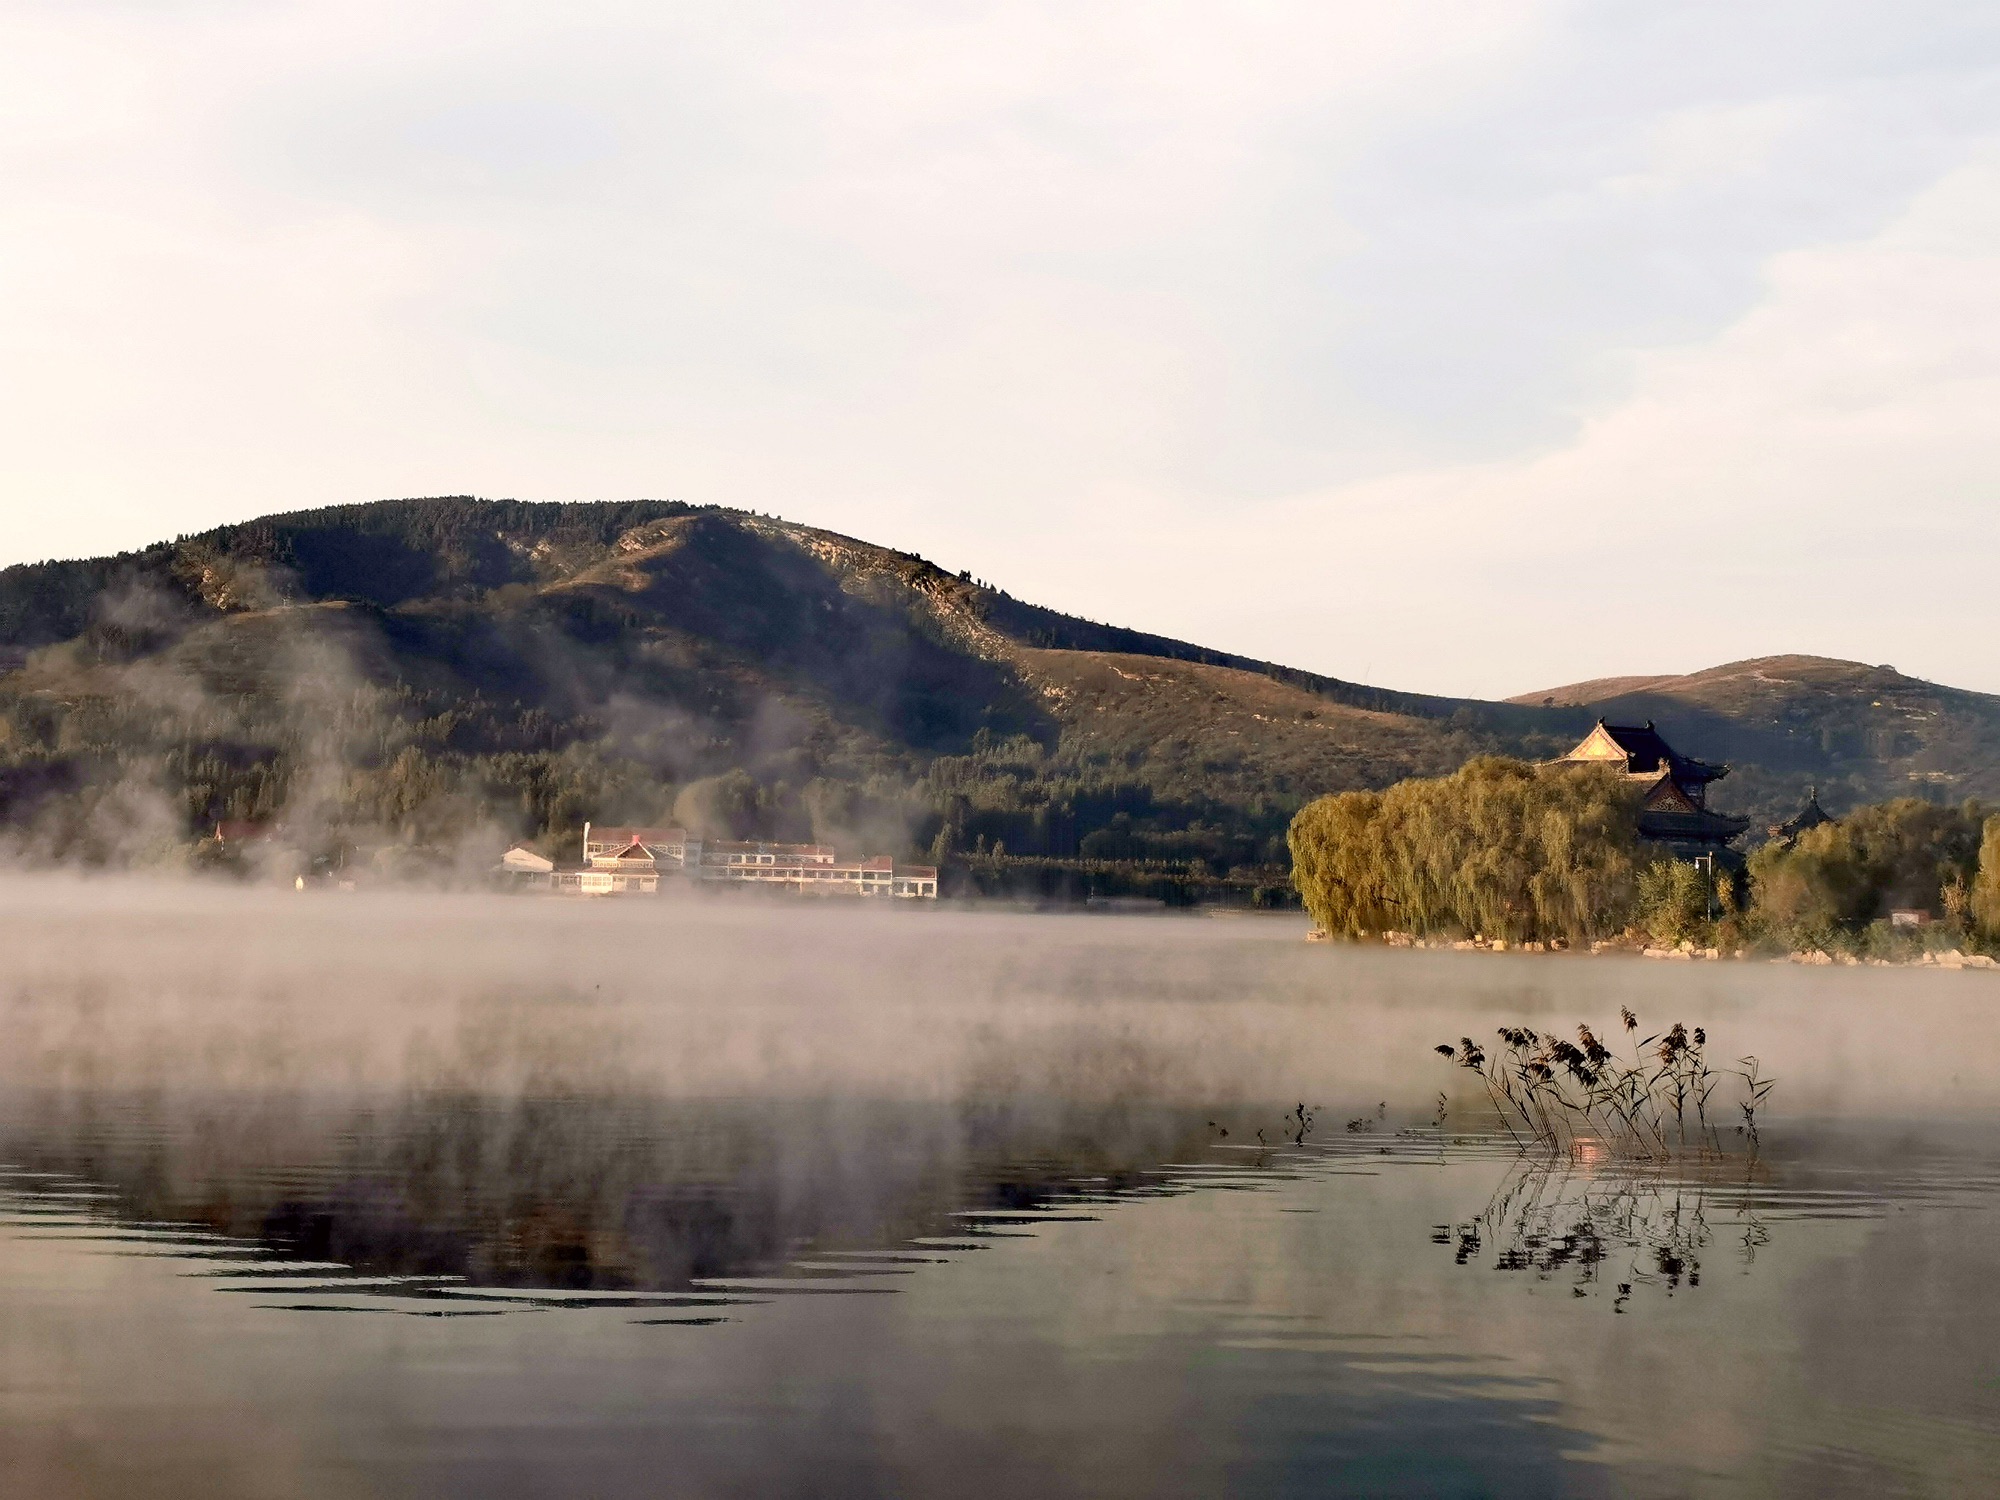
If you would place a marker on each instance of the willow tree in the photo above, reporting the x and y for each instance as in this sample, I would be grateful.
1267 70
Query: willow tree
1499 847
1986 885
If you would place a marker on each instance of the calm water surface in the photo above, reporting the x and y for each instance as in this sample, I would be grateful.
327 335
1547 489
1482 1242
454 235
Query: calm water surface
509 1199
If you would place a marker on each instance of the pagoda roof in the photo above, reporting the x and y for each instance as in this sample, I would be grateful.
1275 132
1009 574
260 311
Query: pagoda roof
1645 752
1699 822
1811 816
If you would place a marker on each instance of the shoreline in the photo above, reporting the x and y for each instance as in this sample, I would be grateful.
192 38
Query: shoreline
1950 959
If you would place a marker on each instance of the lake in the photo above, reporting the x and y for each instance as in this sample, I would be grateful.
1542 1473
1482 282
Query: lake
373 1194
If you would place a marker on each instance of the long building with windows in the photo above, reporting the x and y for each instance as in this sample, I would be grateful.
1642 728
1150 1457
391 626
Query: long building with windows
619 860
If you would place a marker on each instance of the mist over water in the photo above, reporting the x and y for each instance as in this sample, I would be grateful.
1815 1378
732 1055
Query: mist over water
387 1193
176 984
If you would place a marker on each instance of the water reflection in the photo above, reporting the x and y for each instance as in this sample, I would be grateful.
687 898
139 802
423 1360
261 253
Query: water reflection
461 1205
633 1202
1598 1225
1283 1316
974 1209
587 1202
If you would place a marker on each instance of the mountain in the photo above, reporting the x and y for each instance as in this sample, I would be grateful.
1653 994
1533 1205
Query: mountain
1859 733
424 673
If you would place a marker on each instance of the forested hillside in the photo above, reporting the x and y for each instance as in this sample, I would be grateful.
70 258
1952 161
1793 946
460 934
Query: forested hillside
436 676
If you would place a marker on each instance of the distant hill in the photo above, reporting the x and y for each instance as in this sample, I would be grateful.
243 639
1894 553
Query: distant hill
1860 733
441 672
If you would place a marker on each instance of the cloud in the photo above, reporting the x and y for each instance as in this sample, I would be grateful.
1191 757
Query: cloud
1077 297
1823 475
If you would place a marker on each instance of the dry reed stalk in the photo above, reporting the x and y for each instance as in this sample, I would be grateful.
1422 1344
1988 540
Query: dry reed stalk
1566 1094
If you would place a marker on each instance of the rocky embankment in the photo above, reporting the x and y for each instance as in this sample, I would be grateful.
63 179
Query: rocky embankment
1944 958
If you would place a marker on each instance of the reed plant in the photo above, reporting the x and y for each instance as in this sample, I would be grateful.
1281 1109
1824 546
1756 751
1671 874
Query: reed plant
1564 1098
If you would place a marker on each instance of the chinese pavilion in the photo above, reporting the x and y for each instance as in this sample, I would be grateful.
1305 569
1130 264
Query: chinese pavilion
1805 820
1673 809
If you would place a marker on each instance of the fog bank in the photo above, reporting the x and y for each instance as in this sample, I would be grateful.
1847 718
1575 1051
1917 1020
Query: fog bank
126 984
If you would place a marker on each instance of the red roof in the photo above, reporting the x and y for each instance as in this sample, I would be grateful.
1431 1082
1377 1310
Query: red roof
638 836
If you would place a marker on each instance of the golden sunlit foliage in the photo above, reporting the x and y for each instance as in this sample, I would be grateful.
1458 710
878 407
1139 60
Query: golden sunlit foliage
1500 848
1985 900
1842 877
1506 850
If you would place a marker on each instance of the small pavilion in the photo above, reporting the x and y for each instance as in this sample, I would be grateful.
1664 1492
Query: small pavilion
1807 818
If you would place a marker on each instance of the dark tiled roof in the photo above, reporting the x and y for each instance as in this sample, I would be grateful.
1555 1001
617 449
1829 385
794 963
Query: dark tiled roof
1812 815
1646 750
1662 823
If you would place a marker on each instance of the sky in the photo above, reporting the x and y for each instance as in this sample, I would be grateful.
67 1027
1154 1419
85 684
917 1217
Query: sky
1471 348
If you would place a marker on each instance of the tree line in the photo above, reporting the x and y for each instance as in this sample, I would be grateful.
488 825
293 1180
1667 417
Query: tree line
143 775
1522 853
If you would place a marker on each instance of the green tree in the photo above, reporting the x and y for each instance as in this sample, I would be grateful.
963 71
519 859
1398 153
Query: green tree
1674 900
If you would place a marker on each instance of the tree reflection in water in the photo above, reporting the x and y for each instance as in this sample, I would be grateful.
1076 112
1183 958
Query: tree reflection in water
430 1194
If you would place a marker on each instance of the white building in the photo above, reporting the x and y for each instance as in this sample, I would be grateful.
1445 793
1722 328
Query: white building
632 859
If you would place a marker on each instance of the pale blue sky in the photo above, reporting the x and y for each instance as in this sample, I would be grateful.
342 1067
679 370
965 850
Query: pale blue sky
1375 339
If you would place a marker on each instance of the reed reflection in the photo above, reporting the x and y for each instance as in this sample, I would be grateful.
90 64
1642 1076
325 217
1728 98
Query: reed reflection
1595 1224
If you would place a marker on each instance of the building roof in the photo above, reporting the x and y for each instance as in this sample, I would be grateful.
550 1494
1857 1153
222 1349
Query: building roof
786 860
1811 816
625 836
1645 752
1698 825
1668 814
